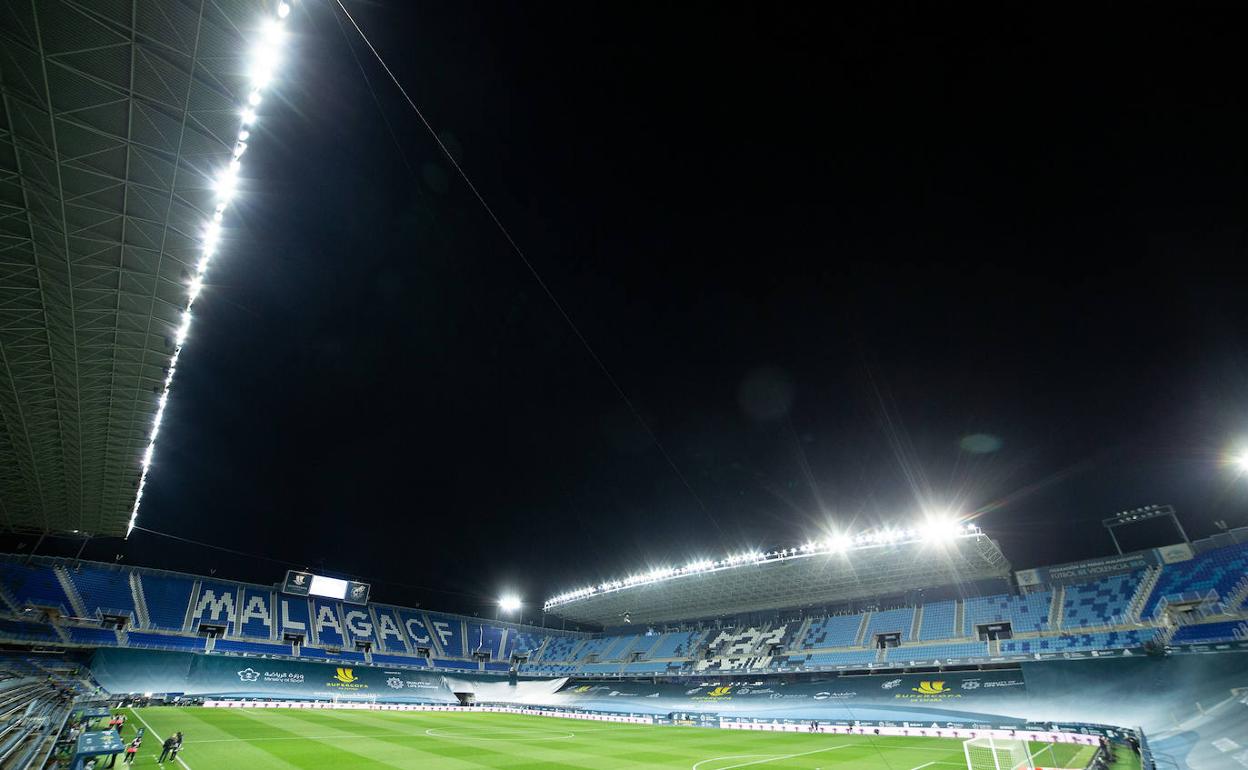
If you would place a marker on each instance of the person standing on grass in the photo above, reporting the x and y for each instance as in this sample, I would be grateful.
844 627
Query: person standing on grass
177 746
132 750
165 748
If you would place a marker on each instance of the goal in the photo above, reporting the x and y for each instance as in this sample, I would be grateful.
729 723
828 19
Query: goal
988 753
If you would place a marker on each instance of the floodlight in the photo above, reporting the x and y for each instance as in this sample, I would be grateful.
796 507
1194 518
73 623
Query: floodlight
283 10
509 603
1240 461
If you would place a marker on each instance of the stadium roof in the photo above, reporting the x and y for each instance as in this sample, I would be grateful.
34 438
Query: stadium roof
807 576
116 118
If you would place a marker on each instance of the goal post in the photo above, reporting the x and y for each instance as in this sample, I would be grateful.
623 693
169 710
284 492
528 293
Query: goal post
988 753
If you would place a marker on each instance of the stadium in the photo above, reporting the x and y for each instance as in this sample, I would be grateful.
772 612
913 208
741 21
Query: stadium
906 644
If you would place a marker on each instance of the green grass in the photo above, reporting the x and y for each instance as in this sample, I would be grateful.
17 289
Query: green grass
281 739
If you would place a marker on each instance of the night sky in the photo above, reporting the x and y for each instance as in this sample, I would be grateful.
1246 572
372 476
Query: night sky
817 249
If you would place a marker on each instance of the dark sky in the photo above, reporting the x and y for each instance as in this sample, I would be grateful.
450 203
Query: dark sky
816 248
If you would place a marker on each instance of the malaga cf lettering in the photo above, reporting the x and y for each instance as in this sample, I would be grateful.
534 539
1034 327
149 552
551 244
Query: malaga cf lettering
256 613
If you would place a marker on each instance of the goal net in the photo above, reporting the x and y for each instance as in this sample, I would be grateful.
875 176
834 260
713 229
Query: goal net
990 753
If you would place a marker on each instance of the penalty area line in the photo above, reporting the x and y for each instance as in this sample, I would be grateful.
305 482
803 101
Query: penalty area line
775 758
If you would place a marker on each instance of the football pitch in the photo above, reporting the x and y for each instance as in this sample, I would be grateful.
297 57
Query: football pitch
282 739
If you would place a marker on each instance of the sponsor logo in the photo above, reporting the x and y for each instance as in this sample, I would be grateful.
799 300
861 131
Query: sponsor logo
971 684
346 676
585 688
931 688
694 691
890 684
826 695
395 683
248 675
299 579
720 692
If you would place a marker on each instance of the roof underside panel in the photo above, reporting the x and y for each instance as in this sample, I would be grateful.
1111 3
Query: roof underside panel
806 581
115 117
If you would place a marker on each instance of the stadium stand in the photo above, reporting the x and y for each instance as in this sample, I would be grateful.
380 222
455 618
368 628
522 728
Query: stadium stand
327 624
165 642
1221 571
169 611
917 652
358 624
35 699
833 659
523 643
256 614
1110 640
889 621
938 621
399 660
250 648
1026 613
557 649
166 598
485 640
676 644
834 631
1100 603
102 590
449 632
26 631
34 586
92 636
216 603
1226 631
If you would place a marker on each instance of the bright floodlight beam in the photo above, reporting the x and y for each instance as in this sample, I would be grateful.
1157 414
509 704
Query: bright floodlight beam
1240 461
509 603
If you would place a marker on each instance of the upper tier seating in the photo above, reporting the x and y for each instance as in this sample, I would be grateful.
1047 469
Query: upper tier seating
595 647
636 644
558 649
675 644
34 585
523 642
166 597
889 621
746 642
1026 613
485 639
938 620
834 631
102 589
1100 603
1220 570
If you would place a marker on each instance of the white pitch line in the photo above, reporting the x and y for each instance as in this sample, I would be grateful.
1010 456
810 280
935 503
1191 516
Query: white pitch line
158 738
783 756
925 764
696 765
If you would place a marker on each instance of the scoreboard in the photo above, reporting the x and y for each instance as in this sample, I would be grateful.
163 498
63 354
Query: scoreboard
307 584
